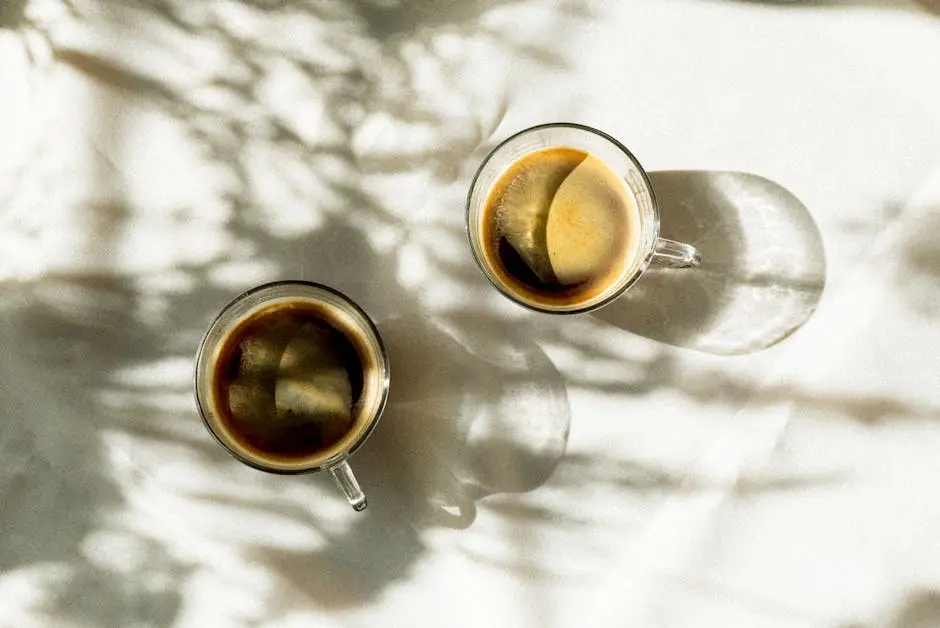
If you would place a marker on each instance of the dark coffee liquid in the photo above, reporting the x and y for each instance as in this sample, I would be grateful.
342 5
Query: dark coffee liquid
559 227
288 383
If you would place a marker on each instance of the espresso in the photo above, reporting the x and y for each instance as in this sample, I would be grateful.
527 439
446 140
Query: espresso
289 382
559 227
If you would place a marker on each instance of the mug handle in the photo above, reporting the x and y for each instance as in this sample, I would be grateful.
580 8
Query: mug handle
672 254
346 481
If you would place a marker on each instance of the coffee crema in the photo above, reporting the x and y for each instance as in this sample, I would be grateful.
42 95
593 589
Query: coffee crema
559 227
292 382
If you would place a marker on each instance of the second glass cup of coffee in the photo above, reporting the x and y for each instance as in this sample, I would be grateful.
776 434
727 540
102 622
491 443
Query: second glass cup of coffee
562 219
292 377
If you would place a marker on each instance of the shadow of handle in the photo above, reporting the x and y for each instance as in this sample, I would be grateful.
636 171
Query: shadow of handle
458 516
672 254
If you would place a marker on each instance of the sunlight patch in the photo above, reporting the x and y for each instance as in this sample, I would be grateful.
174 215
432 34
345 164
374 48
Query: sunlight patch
294 98
412 265
169 372
26 592
238 274
115 551
169 281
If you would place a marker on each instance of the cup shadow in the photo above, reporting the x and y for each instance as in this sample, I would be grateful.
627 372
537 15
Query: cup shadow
460 424
762 274
919 609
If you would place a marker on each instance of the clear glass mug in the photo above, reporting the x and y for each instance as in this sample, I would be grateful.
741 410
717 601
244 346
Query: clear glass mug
652 249
375 380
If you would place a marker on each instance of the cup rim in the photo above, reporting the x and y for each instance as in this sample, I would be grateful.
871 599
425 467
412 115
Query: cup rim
641 268
384 381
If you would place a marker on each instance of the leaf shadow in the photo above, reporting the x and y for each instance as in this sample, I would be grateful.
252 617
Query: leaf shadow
452 434
931 6
919 609
116 343
918 273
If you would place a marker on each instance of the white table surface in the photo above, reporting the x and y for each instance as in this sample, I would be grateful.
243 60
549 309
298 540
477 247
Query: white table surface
655 465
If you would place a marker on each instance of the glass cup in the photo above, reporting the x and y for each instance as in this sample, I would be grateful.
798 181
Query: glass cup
374 391
652 249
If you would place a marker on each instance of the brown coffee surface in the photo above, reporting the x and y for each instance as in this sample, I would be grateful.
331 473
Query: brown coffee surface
288 383
559 227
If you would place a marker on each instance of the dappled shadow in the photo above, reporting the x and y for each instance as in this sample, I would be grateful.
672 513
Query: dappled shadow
919 270
222 176
12 14
459 426
640 477
920 609
869 409
762 273
252 135
60 337
932 6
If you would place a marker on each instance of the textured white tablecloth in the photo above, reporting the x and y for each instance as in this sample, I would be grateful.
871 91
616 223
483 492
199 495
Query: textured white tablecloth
657 464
